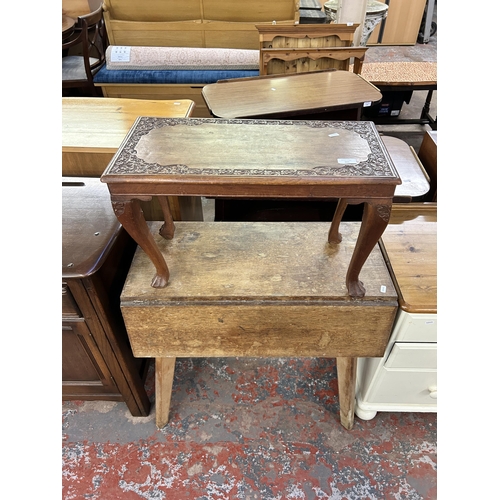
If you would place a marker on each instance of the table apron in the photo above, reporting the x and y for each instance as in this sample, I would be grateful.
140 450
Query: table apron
362 192
398 87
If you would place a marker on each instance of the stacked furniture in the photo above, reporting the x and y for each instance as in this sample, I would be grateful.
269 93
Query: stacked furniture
256 289
207 24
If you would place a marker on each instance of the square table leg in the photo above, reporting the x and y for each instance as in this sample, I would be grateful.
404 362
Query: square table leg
164 378
346 375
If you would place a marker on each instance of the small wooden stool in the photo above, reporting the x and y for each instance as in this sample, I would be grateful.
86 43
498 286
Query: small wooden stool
258 290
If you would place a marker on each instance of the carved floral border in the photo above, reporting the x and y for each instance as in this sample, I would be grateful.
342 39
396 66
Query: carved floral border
127 162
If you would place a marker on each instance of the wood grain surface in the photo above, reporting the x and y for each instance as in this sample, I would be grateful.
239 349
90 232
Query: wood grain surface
101 124
293 94
94 128
410 246
259 289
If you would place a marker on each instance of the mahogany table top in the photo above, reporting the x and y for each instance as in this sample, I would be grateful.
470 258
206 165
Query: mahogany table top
287 95
252 158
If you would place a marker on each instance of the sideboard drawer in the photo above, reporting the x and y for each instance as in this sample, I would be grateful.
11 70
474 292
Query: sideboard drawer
405 387
419 327
408 376
412 356
70 309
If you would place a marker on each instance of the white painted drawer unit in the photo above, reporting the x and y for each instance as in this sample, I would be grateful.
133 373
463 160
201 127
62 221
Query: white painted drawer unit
405 378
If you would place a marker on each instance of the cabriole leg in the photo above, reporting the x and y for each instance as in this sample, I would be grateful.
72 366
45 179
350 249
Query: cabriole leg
131 217
373 224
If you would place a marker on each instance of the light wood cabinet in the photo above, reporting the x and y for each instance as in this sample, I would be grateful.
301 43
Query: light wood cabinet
402 24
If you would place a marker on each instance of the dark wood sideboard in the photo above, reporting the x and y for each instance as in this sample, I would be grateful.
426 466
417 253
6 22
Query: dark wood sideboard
97 360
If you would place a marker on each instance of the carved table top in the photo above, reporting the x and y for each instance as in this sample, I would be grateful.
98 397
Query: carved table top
204 156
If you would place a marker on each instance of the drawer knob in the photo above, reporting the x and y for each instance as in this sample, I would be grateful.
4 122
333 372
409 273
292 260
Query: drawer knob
433 392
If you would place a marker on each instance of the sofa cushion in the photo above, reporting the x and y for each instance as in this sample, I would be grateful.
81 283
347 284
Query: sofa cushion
180 58
193 77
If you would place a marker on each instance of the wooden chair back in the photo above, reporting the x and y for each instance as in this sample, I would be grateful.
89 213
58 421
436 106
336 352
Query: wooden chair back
305 48
89 42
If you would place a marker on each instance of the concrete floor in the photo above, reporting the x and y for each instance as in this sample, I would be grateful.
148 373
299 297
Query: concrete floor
245 428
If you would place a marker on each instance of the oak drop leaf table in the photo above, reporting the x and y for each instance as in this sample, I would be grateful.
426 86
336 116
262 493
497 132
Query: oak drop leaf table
253 158
250 289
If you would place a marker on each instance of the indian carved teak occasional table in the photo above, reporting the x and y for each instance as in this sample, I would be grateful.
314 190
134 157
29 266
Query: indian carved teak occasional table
253 159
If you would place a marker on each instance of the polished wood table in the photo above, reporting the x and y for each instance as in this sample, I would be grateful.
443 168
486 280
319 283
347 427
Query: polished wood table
253 158
94 127
277 96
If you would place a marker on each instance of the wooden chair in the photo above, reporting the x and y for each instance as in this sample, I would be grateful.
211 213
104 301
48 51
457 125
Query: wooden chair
88 43
306 48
